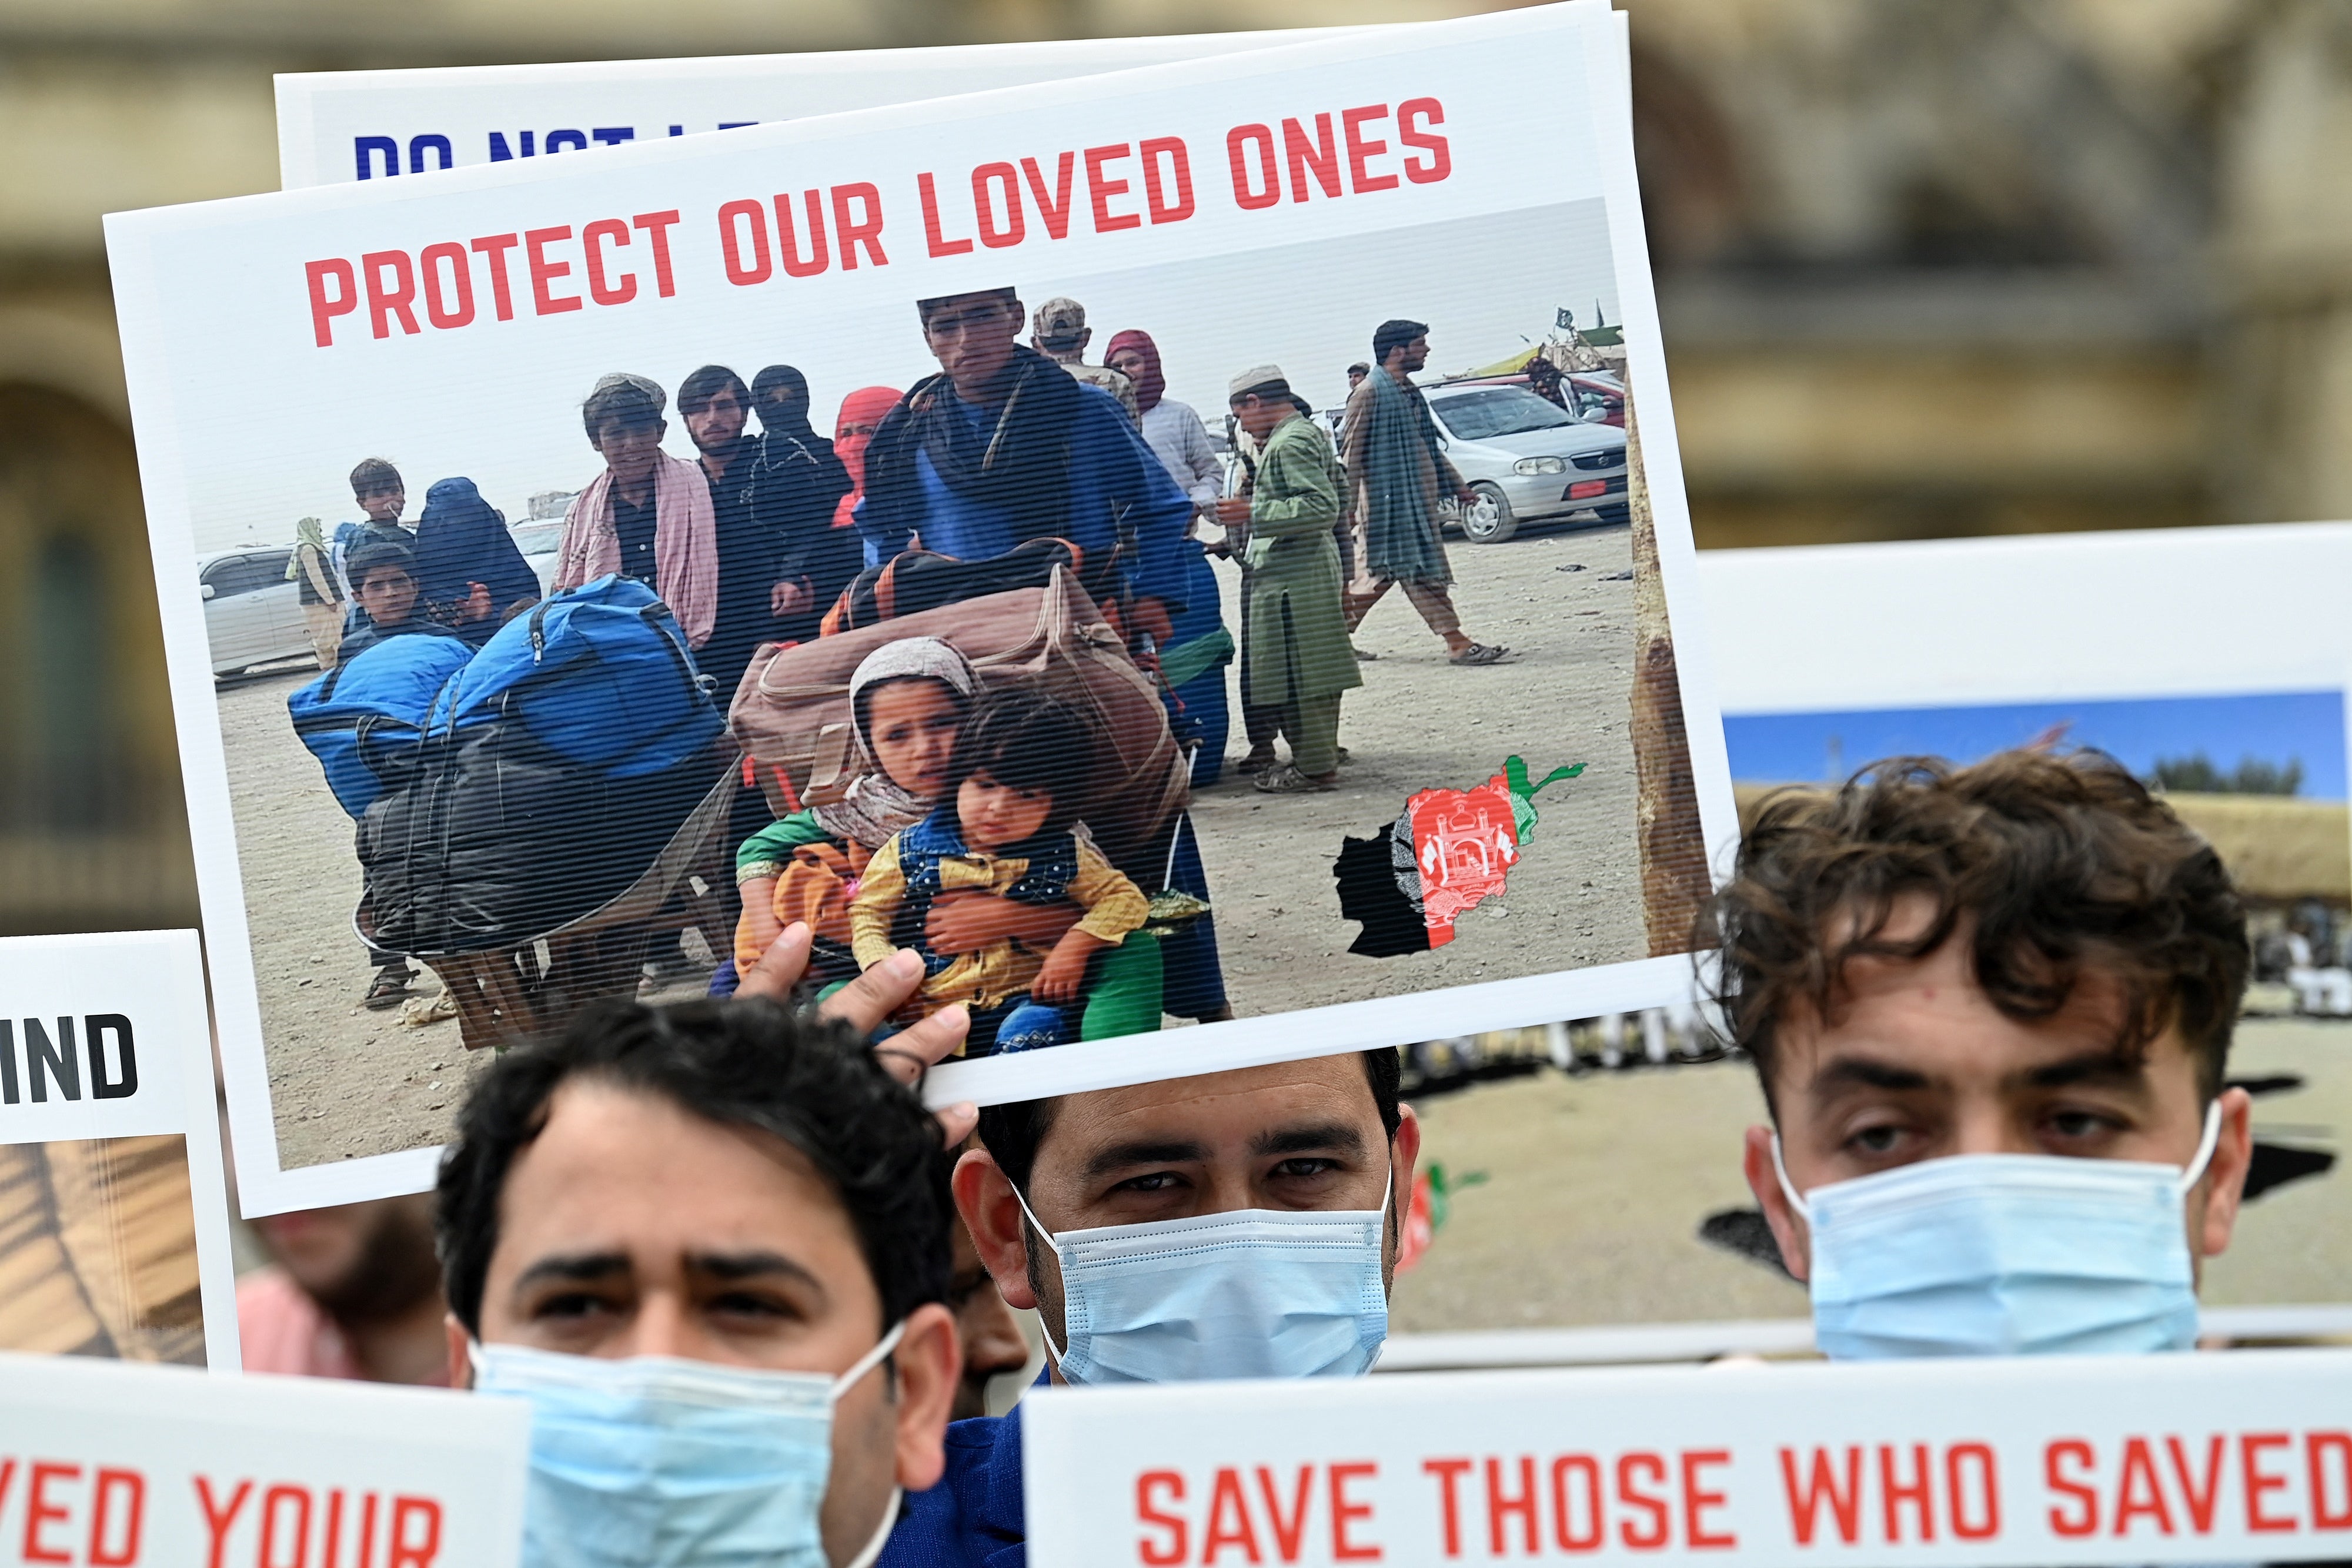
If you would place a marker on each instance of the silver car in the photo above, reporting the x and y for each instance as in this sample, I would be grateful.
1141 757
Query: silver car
1528 459
253 614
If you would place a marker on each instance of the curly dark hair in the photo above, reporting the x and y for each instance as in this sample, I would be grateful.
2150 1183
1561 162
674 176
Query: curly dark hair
744 1063
2048 866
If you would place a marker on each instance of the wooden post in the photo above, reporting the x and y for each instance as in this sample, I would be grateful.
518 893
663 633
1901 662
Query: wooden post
1675 878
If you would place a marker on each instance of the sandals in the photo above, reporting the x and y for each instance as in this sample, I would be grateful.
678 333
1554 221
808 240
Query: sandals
390 986
1256 762
1288 779
1480 653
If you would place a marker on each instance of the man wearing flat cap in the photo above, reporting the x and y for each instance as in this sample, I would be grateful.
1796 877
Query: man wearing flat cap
1296 633
1060 332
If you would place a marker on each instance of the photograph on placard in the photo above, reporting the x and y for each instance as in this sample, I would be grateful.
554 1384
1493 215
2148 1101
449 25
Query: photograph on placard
1645 1107
98 1250
113 1212
1028 607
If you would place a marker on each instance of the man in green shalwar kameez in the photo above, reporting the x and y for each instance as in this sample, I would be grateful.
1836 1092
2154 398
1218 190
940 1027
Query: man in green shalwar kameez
1296 628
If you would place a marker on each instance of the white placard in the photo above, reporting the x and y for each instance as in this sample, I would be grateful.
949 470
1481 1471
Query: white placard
2158 612
2238 1457
335 126
113 1467
246 289
104 1036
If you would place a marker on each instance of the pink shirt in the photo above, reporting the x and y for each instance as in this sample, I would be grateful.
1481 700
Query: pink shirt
283 1331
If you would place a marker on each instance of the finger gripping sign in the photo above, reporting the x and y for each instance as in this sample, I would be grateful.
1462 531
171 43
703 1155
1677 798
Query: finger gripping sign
2243 1457
104 1466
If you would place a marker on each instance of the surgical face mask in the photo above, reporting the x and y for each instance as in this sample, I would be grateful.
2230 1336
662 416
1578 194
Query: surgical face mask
655 1462
1254 1292
2003 1255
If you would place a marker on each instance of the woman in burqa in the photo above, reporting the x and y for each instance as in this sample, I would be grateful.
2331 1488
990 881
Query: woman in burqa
470 573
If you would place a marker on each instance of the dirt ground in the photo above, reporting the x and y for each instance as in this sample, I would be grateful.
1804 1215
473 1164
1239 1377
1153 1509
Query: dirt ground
344 1082
1595 1187
348 1082
1419 723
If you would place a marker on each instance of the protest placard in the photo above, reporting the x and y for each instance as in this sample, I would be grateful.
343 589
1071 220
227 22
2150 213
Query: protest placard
116 1467
113 1217
2224 1457
334 126
1234 252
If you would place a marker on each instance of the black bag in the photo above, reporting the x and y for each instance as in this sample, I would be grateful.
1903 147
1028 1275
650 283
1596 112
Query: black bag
492 840
915 580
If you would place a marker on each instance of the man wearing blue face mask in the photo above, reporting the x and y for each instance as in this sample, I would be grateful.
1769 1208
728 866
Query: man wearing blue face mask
1991 1008
1237 1224
709 1245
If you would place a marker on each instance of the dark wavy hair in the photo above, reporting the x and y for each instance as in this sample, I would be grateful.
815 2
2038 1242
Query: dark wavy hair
695 392
2048 866
742 1063
1393 335
1027 740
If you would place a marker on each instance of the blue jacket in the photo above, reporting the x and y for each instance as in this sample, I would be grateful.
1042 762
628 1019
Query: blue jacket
973 1517
1114 478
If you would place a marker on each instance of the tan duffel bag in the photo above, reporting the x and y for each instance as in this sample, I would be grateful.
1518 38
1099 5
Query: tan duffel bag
791 713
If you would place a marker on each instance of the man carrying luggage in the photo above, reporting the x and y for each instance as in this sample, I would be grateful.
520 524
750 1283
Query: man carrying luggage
1003 447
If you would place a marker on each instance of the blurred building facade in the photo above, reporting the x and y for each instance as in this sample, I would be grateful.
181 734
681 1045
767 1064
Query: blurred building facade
1928 268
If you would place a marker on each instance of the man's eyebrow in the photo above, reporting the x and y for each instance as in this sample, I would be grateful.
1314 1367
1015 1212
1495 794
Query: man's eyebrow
1142 1151
1345 1137
2104 1067
735 1267
574 1268
1862 1072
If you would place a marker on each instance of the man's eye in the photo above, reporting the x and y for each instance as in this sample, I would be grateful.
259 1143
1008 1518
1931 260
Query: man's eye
1879 1140
2079 1124
1156 1181
569 1304
1305 1166
750 1304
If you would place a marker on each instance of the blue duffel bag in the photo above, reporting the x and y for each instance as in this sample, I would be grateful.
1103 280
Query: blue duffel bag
599 675
362 719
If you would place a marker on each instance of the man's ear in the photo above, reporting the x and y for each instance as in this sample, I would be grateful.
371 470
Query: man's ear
928 1362
1405 1152
461 1364
2224 1184
1787 1225
992 1212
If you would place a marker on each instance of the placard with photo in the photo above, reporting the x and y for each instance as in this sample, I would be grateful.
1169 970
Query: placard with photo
794 547
334 126
113 1217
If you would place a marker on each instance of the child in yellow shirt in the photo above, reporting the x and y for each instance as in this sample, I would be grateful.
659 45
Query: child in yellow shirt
1005 825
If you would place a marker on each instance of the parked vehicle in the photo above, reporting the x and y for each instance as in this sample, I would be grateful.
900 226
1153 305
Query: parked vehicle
1528 459
538 540
253 614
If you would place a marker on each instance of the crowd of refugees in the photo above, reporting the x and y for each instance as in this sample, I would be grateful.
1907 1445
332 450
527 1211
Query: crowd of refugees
1989 1009
759 538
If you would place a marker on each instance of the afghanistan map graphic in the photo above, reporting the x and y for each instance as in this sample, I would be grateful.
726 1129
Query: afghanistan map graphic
1449 851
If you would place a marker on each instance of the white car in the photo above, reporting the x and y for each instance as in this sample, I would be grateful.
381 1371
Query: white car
253 613
537 540
1527 458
